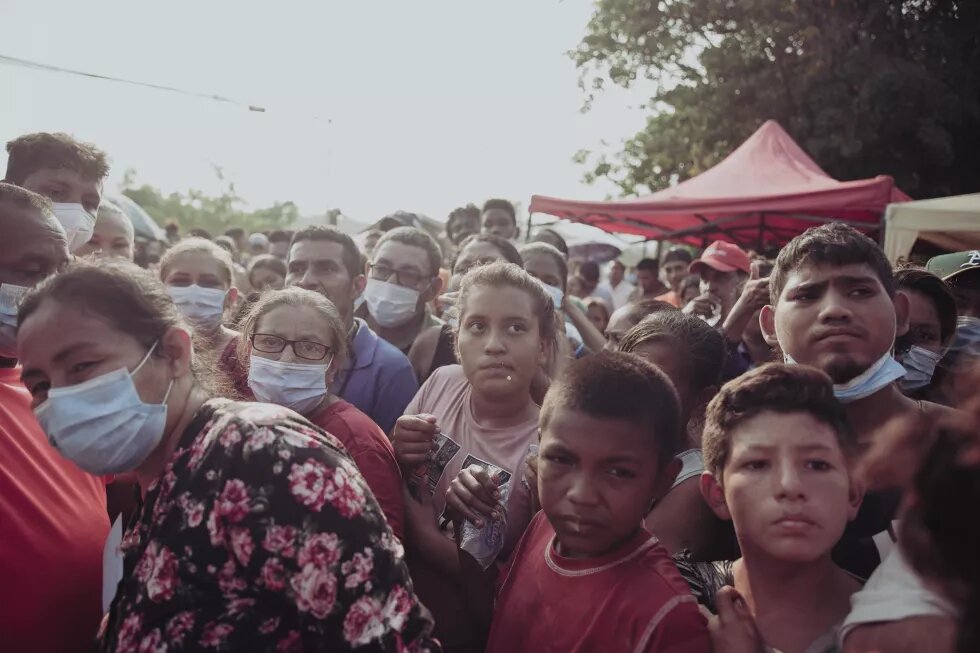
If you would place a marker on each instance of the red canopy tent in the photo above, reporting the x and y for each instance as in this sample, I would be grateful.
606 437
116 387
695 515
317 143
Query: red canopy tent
763 194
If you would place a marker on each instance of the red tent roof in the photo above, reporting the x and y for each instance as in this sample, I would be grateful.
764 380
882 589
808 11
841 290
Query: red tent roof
764 193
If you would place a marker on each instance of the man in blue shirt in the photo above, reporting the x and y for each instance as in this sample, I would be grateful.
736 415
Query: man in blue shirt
377 378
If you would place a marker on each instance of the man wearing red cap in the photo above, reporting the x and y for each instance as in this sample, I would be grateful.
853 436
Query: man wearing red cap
722 268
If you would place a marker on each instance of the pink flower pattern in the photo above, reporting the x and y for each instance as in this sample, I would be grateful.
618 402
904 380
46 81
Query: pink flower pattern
258 508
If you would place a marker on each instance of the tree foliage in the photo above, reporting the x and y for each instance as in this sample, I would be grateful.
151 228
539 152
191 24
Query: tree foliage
866 87
196 209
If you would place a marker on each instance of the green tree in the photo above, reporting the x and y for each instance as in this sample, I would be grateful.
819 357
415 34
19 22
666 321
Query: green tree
866 87
196 209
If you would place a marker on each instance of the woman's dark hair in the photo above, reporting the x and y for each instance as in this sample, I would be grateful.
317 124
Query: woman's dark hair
701 346
130 299
504 246
551 237
548 250
935 289
942 540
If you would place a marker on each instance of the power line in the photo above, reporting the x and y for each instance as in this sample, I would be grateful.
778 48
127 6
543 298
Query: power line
23 63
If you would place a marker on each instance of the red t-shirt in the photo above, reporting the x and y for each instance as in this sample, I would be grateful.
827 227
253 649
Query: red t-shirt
631 600
53 526
372 452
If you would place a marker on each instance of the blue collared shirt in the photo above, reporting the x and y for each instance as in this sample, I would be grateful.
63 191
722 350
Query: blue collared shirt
377 378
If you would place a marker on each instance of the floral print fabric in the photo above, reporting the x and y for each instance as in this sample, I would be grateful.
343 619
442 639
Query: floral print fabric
261 535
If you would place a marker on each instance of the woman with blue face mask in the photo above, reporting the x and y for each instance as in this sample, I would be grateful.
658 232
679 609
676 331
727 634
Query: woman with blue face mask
932 324
199 278
294 344
256 529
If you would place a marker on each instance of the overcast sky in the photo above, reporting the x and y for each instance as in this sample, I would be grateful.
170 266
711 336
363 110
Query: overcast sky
421 105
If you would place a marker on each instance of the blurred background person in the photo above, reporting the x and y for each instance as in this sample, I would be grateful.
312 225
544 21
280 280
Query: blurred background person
113 234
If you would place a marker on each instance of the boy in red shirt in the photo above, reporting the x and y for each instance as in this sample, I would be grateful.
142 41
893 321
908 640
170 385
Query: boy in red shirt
586 576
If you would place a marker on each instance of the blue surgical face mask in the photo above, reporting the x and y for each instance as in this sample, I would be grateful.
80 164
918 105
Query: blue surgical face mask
299 386
966 340
884 371
920 365
102 425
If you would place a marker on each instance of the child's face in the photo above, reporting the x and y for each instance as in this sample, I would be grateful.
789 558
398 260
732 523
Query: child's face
499 342
837 318
596 480
786 486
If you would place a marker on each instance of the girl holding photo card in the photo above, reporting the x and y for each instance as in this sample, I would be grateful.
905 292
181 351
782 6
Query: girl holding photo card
481 409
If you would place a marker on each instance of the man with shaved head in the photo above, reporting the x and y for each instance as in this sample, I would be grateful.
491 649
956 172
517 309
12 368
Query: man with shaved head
53 520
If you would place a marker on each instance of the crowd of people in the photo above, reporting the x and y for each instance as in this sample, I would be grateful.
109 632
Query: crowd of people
468 441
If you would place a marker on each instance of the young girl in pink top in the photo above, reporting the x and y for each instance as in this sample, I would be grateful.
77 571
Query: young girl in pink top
477 412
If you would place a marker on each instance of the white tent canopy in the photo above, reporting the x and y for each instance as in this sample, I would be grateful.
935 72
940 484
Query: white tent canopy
952 223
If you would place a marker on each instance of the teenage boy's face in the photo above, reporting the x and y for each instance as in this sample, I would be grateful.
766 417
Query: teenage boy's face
67 186
499 223
838 319
786 487
595 489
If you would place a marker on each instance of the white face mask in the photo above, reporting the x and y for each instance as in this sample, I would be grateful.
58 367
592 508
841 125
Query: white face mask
9 300
202 307
299 386
102 425
79 224
390 305
920 365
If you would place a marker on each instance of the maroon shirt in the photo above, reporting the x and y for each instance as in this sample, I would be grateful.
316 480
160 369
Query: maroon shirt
633 599
372 453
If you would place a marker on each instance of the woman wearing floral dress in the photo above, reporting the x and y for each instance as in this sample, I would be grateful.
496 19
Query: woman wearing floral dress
256 532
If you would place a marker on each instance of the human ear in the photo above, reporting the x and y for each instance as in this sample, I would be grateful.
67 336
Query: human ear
435 287
714 496
231 297
901 301
357 286
666 478
175 344
767 322
855 495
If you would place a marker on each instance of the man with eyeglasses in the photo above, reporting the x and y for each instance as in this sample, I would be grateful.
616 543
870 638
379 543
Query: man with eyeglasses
403 277
377 378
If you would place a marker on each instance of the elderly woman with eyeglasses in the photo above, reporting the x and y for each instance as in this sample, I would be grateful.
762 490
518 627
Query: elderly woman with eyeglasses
294 343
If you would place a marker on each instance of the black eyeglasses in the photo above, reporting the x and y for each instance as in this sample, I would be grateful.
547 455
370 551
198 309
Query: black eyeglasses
305 349
407 278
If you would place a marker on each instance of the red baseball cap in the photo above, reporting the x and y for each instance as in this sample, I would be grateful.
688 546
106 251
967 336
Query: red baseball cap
724 257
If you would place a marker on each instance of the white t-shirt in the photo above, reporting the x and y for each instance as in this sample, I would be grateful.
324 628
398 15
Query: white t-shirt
692 464
893 592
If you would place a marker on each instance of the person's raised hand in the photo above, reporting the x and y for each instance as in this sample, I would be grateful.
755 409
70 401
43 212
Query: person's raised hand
413 439
474 496
703 305
734 629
